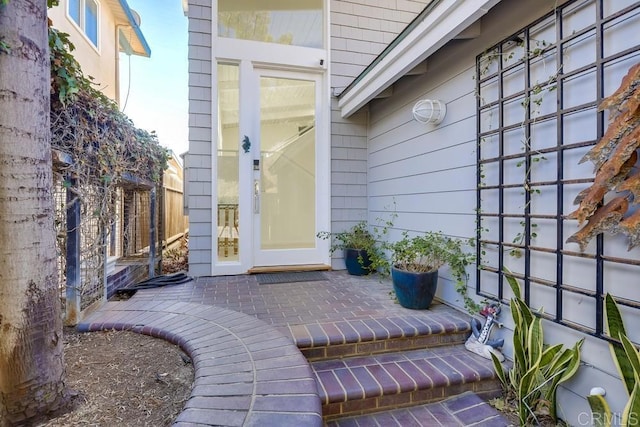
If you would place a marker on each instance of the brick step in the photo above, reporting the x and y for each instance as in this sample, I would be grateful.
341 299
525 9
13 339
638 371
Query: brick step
466 409
325 341
366 384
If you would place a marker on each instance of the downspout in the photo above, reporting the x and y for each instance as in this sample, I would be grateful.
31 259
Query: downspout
117 61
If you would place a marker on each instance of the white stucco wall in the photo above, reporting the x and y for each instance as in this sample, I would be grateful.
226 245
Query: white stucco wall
99 62
430 172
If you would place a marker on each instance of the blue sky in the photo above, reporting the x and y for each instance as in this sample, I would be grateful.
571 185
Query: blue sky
158 86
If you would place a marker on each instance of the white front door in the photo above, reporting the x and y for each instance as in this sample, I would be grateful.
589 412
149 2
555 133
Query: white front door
286 190
272 168
270 132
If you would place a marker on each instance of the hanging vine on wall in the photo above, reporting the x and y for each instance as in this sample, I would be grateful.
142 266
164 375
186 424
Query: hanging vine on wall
102 151
615 157
89 126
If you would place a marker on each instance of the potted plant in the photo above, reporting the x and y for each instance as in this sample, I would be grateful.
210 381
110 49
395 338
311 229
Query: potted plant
359 246
414 268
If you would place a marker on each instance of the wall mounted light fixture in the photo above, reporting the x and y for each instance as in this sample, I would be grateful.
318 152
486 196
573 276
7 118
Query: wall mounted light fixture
429 111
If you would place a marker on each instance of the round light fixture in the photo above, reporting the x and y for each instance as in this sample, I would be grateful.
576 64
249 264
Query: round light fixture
429 111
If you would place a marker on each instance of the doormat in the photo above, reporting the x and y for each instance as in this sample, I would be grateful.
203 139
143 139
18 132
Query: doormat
289 277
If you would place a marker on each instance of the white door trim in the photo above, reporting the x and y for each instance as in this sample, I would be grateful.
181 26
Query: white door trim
249 114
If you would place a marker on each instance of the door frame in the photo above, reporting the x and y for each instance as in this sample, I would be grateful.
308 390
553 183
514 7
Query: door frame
249 125
300 256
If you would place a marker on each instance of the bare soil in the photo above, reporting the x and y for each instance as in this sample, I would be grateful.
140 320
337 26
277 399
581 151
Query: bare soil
121 378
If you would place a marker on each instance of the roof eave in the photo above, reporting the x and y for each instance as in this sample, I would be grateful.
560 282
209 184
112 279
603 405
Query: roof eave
436 25
137 38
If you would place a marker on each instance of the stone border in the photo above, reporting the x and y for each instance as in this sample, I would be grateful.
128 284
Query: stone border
246 372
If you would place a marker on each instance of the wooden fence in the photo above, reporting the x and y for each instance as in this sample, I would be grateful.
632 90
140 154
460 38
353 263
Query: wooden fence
147 220
175 223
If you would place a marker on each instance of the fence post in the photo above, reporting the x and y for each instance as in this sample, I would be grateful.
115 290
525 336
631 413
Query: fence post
127 206
162 219
73 294
152 232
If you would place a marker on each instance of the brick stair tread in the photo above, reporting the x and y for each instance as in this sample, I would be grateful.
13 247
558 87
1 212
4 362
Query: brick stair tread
378 329
466 409
363 377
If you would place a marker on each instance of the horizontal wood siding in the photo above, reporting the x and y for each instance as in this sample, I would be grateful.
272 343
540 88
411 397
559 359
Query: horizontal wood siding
430 173
360 30
348 173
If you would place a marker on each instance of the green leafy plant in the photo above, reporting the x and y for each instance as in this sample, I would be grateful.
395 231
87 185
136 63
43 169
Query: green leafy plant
97 144
4 46
538 369
428 252
627 360
359 238
362 236
356 237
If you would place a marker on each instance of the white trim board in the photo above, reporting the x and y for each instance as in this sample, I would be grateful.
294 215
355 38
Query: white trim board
442 23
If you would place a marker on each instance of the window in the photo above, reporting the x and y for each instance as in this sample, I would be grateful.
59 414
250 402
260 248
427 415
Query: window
538 96
85 14
298 23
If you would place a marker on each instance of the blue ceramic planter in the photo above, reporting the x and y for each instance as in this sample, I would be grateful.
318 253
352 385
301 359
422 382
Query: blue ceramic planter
352 261
414 290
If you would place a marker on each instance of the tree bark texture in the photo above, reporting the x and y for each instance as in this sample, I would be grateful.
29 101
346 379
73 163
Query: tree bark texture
31 351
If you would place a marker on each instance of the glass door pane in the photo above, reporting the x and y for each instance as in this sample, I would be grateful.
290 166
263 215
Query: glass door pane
228 187
288 163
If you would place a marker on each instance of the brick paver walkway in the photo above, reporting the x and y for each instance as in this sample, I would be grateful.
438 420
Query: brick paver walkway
242 337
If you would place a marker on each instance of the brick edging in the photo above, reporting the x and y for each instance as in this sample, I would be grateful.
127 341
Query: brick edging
246 372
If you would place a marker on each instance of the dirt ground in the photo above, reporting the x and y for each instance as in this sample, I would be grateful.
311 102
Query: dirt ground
121 378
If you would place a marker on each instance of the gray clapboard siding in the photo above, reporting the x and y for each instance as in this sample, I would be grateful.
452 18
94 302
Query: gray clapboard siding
199 157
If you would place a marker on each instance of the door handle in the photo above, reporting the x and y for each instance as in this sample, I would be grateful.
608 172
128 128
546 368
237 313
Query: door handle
256 196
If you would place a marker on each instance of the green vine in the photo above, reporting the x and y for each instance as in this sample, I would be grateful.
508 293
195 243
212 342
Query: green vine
4 46
89 126
531 105
103 151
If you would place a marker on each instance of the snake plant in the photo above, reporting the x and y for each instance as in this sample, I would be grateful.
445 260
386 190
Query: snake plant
538 369
627 360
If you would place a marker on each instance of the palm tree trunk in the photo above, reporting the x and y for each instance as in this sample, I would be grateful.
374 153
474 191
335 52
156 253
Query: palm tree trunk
31 351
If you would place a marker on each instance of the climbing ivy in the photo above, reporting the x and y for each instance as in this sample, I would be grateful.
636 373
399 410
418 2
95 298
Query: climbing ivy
90 127
66 74
4 47
102 150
